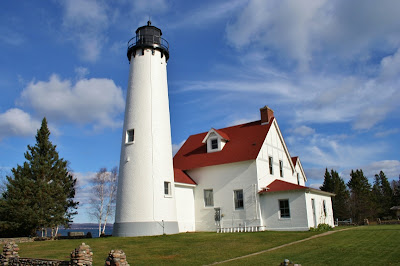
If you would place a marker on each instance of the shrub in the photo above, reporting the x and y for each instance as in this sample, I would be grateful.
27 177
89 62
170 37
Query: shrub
321 228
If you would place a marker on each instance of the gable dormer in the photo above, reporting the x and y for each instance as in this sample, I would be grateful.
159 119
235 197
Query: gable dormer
215 140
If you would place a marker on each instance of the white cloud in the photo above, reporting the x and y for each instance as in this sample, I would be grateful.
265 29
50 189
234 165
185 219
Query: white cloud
302 131
15 122
385 133
81 72
97 101
153 7
205 15
303 30
391 168
86 22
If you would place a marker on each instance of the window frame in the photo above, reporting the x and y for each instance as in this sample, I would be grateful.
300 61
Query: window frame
324 207
280 168
238 201
206 199
298 179
271 165
129 133
284 211
167 189
214 141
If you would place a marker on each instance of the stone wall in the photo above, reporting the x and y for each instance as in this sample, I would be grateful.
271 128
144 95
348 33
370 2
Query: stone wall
82 256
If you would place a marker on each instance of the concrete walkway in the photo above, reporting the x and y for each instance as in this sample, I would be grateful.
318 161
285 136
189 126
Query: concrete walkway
281 246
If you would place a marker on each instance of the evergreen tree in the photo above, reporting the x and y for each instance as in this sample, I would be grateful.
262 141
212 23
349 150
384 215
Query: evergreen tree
40 194
328 182
396 192
340 203
360 196
382 195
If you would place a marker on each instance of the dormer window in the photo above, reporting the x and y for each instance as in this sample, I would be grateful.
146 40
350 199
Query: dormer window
215 140
214 144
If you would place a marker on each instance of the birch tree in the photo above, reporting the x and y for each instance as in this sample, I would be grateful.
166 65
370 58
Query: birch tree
104 186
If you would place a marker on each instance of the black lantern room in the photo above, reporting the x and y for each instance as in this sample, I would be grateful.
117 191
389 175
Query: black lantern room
148 37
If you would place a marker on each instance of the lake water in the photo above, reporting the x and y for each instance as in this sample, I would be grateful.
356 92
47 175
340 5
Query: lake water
85 228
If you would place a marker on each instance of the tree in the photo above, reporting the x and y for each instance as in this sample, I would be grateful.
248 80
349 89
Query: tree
40 193
328 182
382 195
103 196
360 196
340 203
396 192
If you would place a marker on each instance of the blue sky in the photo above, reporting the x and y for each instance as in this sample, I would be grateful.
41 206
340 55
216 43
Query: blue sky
329 69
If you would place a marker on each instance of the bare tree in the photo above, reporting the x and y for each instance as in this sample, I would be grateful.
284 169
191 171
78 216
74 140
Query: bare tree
104 185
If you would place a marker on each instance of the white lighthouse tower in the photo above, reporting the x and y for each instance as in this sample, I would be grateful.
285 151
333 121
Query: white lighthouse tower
146 197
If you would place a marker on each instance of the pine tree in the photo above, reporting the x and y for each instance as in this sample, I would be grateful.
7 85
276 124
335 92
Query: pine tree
340 203
361 205
40 194
328 182
382 195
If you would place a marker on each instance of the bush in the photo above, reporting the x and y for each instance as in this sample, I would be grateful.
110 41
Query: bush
321 228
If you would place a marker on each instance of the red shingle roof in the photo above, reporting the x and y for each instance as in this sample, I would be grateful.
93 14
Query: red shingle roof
182 177
222 134
244 144
280 186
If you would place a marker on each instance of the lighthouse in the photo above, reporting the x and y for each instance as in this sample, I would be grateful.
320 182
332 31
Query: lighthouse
146 193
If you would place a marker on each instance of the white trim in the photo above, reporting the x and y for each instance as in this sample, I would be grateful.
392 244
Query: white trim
184 185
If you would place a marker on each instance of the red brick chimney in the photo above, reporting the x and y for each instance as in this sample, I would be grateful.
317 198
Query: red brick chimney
266 114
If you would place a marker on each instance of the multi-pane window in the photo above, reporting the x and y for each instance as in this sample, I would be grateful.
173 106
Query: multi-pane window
214 144
130 135
281 168
167 188
238 196
208 198
270 162
298 178
284 208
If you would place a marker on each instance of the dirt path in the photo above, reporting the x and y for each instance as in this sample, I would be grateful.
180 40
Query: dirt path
281 246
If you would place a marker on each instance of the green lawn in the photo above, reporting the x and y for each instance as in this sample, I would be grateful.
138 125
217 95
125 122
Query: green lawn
372 245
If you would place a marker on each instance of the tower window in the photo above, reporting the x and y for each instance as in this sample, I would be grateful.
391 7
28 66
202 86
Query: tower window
167 188
238 197
208 198
214 144
130 136
281 168
271 169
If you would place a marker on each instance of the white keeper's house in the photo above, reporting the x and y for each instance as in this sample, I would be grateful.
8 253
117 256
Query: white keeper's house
243 178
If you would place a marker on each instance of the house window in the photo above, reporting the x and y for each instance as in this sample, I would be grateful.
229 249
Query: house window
208 198
238 195
167 188
281 168
214 144
271 169
324 206
130 135
298 178
284 208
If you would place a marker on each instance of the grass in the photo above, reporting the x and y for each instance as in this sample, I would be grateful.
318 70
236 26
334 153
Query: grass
369 245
